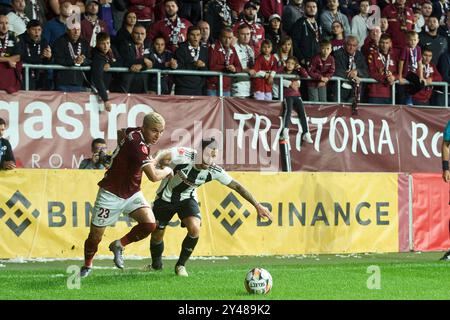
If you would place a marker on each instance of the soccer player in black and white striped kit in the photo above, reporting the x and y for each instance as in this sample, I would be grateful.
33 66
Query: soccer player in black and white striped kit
178 195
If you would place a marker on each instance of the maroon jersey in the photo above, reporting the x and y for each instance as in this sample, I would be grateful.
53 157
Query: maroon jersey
400 20
320 68
429 72
219 59
261 64
257 34
174 32
379 65
124 176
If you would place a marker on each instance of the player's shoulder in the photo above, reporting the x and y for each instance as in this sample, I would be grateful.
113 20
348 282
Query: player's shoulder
216 170
185 153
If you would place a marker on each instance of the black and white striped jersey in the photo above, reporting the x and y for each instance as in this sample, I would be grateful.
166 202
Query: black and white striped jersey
187 177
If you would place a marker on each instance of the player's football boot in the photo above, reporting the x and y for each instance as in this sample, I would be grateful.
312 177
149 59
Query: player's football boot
181 271
446 256
117 248
154 266
85 271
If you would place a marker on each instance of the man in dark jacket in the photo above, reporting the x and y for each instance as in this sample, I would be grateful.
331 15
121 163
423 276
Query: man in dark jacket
351 65
71 50
191 56
34 49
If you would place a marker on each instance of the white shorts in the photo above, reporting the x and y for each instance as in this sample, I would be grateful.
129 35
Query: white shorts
108 207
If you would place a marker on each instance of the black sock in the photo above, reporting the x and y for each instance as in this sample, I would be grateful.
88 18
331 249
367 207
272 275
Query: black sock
187 247
156 250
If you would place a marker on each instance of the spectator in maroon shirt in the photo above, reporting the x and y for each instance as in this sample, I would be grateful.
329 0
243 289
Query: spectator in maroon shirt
92 25
371 42
401 19
173 28
337 30
270 7
120 190
256 29
430 74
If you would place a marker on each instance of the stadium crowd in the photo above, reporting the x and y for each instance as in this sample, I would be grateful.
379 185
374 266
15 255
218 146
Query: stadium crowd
315 39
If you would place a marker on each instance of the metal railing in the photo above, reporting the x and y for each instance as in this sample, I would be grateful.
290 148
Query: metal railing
160 72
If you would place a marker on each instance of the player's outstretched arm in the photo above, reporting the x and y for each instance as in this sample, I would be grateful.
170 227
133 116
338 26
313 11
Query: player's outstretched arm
262 211
154 174
163 158
445 159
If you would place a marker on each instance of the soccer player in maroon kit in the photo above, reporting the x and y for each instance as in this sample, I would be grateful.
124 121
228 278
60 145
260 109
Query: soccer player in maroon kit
120 190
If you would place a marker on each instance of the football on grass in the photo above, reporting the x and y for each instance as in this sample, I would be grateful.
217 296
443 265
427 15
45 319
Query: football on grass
258 281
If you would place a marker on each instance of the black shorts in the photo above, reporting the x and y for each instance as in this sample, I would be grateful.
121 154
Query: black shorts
164 211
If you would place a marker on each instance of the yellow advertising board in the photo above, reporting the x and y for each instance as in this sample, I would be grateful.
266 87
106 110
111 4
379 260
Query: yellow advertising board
46 213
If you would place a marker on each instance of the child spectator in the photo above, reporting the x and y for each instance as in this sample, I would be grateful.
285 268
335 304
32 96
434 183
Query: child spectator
265 68
430 74
410 68
163 60
293 99
284 52
321 70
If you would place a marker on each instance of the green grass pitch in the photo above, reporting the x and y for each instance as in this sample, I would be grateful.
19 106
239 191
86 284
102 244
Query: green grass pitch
402 276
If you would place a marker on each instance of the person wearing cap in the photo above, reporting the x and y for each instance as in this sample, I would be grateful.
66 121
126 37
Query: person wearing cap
10 65
71 50
17 18
34 49
173 28
431 39
274 32
218 15
271 7
256 29
92 24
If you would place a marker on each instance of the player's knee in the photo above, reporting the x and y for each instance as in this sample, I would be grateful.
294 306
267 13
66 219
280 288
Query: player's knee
194 231
148 227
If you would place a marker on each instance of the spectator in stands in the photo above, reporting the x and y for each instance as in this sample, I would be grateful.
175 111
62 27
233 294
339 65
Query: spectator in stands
321 70
426 10
164 59
99 158
284 52
103 58
191 56
241 87
359 22
137 56
218 15
190 10
291 13
34 49
124 33
256 29
351 65
36 10
444 29
173 28
430 74
274 32
18 20
108 11
236 7
223 58
432 40
205 32
410 68
330 15
384 25
297 70
338 39
10 66
293 100
444 66
306 34
383 68
271 7
56 27
92 25
371 43
440 10
266 67
7 161
144 10
400 19
71 50
55 5
418 20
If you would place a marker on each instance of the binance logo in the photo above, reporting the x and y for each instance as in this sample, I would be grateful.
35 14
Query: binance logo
14 208
229 214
